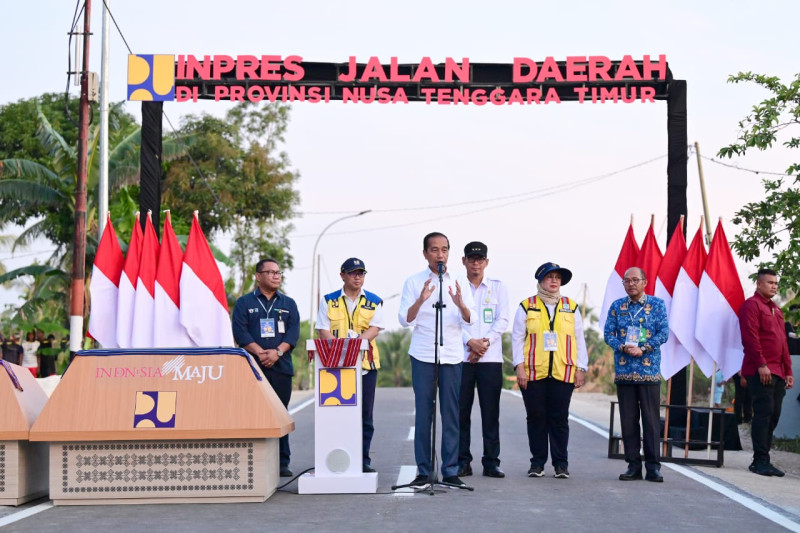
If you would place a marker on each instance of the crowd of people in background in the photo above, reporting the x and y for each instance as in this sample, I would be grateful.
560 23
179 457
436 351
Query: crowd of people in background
36 353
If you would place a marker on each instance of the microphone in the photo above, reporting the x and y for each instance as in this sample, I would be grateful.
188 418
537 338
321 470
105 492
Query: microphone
440 266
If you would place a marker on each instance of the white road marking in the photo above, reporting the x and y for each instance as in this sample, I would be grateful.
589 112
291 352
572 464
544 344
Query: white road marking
410 433
25 513
303 405
741 499
406 476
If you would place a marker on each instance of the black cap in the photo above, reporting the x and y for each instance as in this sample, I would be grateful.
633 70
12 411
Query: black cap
353 264
546 268
475 248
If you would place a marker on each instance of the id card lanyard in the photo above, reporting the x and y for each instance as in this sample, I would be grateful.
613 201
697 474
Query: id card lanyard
268 311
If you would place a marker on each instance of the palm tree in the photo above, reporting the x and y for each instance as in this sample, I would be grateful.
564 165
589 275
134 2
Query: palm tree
45 196
395 362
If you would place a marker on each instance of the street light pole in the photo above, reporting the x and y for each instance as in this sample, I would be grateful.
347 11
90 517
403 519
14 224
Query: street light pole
312 315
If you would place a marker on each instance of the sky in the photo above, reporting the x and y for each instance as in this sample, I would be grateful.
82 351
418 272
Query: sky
421 168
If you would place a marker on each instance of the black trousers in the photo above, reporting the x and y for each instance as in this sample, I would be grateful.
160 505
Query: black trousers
767 403
282 385
368 383
547 407
634 401
488 377
743 404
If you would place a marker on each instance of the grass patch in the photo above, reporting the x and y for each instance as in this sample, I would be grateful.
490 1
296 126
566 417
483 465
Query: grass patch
787 445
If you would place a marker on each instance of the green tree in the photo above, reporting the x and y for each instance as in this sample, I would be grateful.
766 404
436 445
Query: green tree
772 223
395 363
18 126
233 165
41 196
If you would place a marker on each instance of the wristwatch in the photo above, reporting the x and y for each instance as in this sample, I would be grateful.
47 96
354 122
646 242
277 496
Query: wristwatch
280 352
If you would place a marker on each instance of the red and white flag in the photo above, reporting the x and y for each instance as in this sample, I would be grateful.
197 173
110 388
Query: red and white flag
673 355
649 260
204 304
720 296
168 332
142 328
127 287
104 288
614 288
683 311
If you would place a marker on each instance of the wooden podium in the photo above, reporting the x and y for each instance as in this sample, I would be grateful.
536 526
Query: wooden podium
162 426
338 451
23 464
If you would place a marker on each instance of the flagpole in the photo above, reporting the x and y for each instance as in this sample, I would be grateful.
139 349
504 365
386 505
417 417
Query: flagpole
689 410
703 193
669 381
713 374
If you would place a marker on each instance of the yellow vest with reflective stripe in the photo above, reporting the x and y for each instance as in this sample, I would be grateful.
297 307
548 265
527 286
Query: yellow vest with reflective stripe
341 321
562 363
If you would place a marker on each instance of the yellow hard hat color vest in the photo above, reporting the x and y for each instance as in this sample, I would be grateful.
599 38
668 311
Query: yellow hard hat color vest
561 363
342 321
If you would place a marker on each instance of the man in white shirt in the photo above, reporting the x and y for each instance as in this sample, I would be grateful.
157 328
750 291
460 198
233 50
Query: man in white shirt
417 309
483 361
352 312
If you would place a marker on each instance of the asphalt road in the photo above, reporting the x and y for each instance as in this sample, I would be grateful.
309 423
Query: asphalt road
593 499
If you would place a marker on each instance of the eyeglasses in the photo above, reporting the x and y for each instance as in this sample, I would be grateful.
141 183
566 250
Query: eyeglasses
271 272
476 259
357 273
632 281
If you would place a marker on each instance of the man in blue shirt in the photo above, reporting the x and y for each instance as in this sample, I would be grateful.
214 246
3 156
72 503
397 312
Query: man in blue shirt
266 323
635 329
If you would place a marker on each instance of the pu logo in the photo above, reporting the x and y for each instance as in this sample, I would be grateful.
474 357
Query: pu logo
337 386
155 409
151 78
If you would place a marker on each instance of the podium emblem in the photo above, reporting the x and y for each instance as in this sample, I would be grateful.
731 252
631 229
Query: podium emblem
337 386
155 409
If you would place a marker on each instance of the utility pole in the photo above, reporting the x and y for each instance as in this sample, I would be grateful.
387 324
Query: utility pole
79 246
583 303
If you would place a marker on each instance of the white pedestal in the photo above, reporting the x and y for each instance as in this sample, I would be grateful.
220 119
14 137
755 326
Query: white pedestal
338 454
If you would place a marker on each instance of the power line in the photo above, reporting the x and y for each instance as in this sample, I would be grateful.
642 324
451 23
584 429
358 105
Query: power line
526 196
517 195
172 127
737 167
117 26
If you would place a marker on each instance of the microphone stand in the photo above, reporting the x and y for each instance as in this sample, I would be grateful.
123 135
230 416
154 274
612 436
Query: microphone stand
438 340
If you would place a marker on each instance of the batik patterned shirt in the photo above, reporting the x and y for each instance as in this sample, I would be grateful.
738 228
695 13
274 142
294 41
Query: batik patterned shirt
649 317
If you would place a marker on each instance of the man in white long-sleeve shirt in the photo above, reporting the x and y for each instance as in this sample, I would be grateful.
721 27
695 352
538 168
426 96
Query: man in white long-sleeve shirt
550 359
483 361
420 293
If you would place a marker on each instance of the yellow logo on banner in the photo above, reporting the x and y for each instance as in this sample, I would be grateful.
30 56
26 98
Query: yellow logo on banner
155 409
337 386
151 78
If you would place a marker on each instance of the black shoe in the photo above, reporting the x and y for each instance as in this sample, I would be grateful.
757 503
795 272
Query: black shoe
453 480
492 471
631 474
752 467
465 470
420 482
762 469
285 472
535 471
561 473
654 475
776 471
367 469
